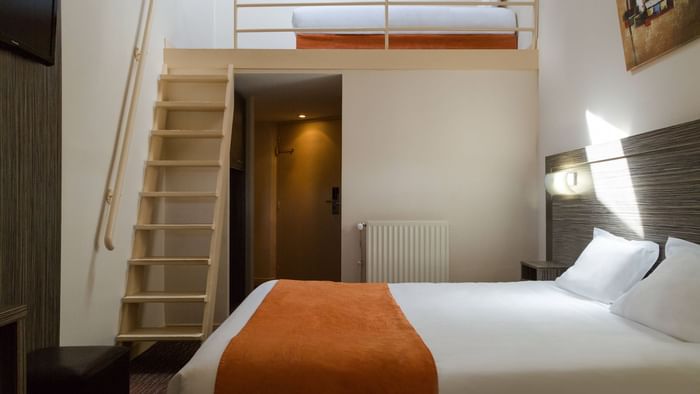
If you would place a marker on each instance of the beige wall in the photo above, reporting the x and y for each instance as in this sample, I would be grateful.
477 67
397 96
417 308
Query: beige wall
457 146
97 40
265 189
92 279
582 68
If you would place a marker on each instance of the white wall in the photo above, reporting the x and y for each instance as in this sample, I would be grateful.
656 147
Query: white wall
223 23
192 23
257 18
582 68
457 146
98 39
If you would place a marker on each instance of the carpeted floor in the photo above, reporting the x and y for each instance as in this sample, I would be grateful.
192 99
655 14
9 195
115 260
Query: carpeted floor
151 371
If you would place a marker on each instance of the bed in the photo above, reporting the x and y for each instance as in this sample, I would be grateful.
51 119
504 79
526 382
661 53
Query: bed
449 18
524 337
537 337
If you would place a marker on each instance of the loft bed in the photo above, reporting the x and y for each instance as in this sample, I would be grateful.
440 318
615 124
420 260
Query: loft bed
437 25
400 17
380 35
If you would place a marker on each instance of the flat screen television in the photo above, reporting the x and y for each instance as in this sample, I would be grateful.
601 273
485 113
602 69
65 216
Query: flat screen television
29 26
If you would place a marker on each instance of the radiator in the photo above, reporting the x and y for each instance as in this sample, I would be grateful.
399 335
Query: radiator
405 251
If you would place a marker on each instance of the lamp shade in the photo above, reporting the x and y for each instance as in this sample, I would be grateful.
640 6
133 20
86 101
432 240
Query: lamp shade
561 183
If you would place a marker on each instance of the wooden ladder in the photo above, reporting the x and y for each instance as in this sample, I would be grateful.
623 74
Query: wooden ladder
192 125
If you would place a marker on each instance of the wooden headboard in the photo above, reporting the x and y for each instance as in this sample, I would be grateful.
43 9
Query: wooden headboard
645 186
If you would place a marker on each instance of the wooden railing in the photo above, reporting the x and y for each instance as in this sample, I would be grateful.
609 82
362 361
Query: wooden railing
114 193
387 29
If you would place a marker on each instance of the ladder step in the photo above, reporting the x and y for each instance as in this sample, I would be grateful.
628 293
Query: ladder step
179 194
169 261
183 163
187 133
152 227
160 296
189 119
197 71
204 78
191 105
171 333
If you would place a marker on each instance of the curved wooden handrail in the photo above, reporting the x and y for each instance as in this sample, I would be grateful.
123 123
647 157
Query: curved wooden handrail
114 194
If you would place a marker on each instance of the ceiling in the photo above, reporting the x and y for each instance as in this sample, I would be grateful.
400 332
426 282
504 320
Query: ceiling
282 97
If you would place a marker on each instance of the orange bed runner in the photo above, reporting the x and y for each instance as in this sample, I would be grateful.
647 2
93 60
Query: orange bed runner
407 41
331 338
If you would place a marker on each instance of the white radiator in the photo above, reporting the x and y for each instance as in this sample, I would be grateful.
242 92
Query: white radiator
406 251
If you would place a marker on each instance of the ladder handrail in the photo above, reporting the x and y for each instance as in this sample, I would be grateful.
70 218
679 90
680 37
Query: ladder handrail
219 216
114 194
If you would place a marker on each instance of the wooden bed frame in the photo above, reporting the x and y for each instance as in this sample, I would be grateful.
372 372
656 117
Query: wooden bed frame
407 41
663 168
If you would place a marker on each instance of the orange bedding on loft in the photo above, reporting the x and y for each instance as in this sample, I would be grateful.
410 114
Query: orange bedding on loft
407 41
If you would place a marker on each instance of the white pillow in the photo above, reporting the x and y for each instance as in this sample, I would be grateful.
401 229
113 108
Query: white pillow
669 299
609 267
678 246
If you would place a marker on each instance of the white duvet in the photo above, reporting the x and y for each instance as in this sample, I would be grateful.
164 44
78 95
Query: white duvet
338 17
522 337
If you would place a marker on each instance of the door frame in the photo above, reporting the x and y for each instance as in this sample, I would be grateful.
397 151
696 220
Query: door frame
250 158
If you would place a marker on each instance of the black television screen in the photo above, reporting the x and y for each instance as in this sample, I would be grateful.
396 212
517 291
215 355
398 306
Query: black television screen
29 26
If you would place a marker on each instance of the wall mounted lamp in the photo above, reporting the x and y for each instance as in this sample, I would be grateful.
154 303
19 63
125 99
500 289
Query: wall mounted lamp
562 183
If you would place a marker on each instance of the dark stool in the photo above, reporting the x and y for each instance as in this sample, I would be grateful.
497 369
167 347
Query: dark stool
79 370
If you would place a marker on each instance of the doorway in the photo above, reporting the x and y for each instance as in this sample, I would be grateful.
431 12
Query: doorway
308 200
295 175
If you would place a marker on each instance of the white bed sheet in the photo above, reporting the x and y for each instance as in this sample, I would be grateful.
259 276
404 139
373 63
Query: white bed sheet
521 337
337 17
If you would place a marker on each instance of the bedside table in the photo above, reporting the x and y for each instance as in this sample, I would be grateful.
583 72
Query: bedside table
541 270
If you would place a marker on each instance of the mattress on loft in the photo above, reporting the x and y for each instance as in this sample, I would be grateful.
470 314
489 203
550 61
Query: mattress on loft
448 17
451 17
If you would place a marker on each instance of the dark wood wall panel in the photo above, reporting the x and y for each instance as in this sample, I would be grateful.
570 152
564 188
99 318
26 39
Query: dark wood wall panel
30 192
647 186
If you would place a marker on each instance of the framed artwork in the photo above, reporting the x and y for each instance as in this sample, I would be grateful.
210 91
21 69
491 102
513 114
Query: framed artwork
652 28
